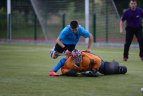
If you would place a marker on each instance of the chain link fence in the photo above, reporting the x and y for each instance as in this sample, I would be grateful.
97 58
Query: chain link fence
44 19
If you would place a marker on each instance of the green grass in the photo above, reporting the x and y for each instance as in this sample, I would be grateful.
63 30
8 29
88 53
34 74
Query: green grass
24 72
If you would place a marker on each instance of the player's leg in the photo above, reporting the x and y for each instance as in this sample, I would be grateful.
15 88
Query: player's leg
122 69
52 53
70 47
114 68
139 36
57 67
56 51
128 41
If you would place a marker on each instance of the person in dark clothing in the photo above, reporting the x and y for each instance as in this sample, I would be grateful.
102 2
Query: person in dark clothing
133 17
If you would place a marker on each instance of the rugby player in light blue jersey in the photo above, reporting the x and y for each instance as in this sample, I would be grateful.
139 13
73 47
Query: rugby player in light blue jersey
69 37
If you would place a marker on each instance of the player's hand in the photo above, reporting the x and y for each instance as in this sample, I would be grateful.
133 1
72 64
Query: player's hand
68 53
87 50
90 73
122 31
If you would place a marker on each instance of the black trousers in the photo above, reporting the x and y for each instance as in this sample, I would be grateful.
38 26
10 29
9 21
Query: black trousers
130 32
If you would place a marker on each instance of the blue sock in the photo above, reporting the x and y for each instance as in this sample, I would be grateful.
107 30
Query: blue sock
59 64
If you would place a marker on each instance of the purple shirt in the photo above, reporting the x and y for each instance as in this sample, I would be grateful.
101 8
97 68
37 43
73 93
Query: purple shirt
133 18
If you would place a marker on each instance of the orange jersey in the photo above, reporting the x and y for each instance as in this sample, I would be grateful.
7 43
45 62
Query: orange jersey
89 61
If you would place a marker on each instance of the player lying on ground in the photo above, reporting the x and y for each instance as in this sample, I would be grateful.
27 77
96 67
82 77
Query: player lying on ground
81 63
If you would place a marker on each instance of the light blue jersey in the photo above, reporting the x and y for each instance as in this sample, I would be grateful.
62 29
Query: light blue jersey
68 37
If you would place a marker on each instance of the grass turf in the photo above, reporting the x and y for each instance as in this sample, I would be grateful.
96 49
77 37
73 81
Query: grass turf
24 72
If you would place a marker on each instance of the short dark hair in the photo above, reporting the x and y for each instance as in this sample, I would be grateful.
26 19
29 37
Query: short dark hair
74 24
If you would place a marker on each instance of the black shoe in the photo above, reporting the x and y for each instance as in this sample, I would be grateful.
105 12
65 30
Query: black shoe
125 59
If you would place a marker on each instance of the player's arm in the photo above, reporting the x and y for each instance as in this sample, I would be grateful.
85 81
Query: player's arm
60 43
142 13
71 73
68 68
87 34
88 73
123 18
90 42
61 37
68 72
121 26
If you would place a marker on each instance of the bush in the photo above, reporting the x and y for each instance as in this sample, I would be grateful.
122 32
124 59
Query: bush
3 23
2 18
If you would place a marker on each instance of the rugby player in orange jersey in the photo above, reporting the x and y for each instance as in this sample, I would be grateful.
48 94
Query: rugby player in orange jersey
81 63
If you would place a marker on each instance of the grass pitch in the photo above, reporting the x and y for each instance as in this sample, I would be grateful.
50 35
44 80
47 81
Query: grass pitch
24 72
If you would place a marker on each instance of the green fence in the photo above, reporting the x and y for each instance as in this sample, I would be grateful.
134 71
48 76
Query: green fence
29 24
3 23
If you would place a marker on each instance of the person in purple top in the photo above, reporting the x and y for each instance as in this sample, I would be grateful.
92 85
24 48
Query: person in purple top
133 17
